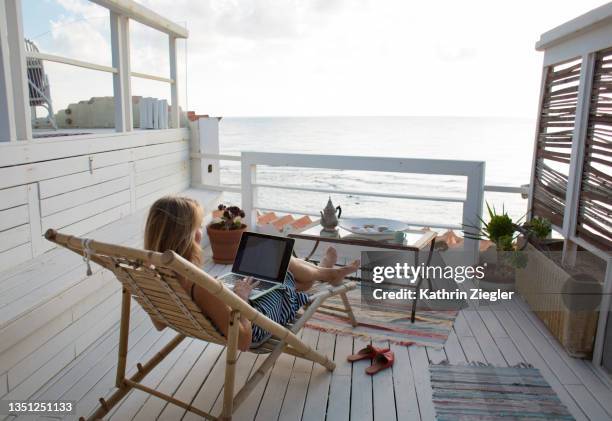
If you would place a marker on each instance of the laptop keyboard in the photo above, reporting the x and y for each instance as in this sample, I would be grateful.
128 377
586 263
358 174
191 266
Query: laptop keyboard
263 285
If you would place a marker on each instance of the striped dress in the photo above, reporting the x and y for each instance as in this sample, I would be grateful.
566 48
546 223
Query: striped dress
280 305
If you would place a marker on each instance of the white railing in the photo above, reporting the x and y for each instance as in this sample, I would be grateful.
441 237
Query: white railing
472 170
15 121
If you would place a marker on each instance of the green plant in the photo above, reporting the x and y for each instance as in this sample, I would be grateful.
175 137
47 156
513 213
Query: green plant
540 227
231 219
500 229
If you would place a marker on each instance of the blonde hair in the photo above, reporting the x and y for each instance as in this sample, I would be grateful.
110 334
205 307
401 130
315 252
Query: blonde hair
171 225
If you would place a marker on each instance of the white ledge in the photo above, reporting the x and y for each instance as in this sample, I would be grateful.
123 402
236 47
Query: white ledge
575 27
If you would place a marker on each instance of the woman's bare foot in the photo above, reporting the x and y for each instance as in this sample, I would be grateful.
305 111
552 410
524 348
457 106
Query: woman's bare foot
335 276
330 258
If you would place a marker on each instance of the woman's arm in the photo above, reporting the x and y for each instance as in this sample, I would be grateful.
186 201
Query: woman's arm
219 313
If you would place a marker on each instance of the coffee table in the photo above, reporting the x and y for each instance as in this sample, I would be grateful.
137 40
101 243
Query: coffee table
415 241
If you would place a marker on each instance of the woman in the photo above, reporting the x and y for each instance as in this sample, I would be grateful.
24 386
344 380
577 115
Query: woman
174 223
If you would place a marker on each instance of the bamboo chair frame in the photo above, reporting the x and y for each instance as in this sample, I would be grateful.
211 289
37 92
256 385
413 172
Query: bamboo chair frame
152 280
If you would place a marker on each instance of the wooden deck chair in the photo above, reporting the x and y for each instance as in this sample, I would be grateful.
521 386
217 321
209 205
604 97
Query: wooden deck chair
152 280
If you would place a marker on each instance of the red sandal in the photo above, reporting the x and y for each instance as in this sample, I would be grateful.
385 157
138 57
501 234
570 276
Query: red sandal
381 362
369 352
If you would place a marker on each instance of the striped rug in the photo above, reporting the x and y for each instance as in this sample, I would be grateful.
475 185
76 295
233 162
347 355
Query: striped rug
386 323
483 392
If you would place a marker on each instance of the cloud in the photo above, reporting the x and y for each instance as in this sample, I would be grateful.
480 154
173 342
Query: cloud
332 57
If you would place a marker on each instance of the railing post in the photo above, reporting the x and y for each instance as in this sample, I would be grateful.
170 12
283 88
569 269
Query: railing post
248 178
175 115
472 211
120 44
20 97
7 112
205 141
574 181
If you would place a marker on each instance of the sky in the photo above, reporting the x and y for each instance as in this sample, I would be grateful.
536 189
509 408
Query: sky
317 57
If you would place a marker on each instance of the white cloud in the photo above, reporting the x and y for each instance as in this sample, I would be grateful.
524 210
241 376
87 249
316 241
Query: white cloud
324 57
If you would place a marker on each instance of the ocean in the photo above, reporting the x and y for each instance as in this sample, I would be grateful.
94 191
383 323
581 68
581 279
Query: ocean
505 144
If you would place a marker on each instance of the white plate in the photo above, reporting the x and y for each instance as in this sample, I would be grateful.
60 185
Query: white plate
373 226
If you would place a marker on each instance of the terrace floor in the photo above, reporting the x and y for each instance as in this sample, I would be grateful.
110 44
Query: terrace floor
503 335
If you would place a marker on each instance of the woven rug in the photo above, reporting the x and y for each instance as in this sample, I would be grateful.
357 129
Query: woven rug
483 392
386 323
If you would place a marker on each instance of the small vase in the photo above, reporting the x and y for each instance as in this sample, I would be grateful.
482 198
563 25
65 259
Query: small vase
224 243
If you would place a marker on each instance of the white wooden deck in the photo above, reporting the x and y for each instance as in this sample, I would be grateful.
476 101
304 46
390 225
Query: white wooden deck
295 389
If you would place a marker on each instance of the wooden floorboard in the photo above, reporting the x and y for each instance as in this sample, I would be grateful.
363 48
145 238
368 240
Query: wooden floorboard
295 389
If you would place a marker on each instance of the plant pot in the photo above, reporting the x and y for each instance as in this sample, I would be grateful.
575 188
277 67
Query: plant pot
224 243
543 284
498 277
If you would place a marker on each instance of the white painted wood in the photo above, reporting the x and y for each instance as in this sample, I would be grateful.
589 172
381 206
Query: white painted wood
78 213
422 382
361 385
575 27
128 408
78 368
472 211
156 185
595 39
473 170
14 196
153 174
272 401
15 256
36 232
18 153
181 154
75 183
172 380
151 77
297 387
17 61
320 379
46 372
84 326
14 237
81 196
13 217
363 193
197 376
383 397
572 197
139 13
122 92
22 349
7 110
175 116
70 61
205 142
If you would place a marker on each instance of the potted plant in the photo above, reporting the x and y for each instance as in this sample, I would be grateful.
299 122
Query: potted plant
503 256
224 233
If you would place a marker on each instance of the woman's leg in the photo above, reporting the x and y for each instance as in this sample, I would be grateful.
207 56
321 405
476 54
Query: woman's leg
306 273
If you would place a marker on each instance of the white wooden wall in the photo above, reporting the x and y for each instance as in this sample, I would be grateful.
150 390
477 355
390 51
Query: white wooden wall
85 183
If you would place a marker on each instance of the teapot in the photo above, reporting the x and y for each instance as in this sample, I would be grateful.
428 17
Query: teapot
329 220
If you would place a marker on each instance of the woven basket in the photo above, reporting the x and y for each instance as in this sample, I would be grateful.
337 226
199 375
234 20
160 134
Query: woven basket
541 285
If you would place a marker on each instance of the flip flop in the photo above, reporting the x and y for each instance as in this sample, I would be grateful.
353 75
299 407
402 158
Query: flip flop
381 362
367 352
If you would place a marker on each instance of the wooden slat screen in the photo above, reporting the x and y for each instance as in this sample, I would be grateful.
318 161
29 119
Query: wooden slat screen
554 140
594 222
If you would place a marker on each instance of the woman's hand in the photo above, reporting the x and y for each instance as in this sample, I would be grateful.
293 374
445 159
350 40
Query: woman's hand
244 287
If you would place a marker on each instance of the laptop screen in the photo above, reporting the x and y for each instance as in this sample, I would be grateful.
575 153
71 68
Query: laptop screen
263 256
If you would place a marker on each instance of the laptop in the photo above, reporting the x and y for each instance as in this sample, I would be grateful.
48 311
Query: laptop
265 258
